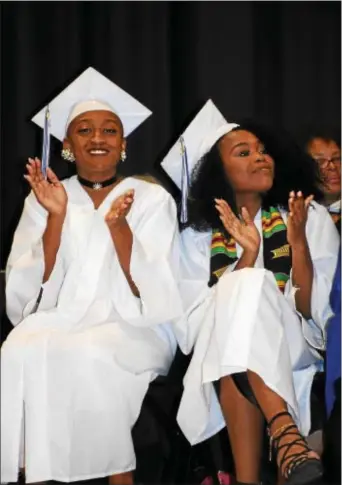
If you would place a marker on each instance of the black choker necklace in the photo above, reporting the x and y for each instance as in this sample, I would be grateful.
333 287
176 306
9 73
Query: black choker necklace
97 185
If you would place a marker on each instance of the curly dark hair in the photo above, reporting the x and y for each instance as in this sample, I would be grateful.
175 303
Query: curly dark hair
294 170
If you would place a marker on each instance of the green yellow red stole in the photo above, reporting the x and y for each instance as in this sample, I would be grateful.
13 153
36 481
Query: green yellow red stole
277 254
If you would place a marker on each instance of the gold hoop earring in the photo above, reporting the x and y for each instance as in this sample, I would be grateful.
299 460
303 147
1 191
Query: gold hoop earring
123 155
68 155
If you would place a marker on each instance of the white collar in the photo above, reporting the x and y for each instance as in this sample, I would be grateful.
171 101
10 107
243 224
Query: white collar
335 207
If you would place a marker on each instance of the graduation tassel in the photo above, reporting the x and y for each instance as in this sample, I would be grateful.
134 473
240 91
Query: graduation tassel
46 143
185 183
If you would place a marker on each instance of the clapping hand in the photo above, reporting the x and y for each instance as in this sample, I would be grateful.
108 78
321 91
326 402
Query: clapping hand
244 232
49 192
119 209
298 215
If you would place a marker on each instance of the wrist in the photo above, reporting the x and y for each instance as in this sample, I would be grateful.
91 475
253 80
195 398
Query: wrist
57 216
249 257
299 246
118 225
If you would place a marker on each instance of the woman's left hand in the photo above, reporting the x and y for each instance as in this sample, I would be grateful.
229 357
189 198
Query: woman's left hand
119 209
298 215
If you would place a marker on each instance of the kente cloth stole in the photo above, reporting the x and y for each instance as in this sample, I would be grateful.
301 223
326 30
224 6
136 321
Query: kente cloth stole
277 254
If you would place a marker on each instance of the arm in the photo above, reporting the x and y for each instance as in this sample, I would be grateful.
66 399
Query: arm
123 241
247 260
52 197
25 266
35 246
323 245
152 262
302 278
51 242
247 234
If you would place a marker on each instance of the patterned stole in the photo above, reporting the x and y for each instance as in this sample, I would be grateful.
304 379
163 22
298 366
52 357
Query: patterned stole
277 254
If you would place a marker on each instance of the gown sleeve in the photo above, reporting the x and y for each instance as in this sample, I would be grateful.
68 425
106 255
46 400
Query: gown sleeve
25 292
323 241
195 274
154 265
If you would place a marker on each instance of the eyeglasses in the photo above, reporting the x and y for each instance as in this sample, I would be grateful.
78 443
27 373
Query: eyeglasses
324 162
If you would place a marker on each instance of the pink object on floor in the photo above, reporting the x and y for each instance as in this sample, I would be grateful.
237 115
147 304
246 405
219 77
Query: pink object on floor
224 478
207 481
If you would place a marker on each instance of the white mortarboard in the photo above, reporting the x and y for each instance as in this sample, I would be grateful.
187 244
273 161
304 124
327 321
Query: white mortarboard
200 136
89 92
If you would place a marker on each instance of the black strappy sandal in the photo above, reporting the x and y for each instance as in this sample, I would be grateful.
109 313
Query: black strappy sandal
300 469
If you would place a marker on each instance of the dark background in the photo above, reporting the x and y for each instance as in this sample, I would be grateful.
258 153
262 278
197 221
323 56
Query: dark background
278 61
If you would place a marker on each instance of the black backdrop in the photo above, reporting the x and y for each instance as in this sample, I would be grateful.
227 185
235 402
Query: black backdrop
279 61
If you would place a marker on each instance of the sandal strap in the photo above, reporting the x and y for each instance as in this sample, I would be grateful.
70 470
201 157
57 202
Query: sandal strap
294 458
276 416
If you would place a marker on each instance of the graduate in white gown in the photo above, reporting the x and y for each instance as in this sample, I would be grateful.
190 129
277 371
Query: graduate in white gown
258 259
91 289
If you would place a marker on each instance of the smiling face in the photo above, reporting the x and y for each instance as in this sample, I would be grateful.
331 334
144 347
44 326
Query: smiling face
96 140
248 167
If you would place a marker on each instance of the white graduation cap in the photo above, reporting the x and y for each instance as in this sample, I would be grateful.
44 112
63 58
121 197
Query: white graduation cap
89 92
200 136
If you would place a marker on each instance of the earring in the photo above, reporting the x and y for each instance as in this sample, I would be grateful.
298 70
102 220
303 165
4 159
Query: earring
123 155
67 155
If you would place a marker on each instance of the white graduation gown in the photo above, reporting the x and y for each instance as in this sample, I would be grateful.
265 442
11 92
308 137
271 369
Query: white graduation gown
335 207
78 369
245 322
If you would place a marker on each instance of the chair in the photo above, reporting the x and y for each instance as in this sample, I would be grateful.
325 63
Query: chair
162 451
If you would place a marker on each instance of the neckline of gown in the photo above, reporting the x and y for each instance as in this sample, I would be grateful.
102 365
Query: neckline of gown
87 199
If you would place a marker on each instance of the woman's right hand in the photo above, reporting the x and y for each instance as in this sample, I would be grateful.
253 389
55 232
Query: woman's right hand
50 193
245 233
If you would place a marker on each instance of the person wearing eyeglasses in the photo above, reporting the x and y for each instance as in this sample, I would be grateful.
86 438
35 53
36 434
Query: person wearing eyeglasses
326 150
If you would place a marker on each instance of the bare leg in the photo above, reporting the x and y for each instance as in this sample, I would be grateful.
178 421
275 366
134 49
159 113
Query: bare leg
121 479
281 479
272 404
245 426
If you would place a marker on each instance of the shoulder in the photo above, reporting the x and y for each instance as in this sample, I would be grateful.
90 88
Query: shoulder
320 227
318 213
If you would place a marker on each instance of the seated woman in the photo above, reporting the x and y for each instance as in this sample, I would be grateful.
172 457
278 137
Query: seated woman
268 253
326 150
91 288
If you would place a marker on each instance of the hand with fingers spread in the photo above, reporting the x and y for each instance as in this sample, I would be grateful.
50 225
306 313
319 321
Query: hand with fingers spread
50 193
119 209
244 232
298 215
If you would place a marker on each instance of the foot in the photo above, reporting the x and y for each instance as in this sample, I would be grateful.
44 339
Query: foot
292 451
